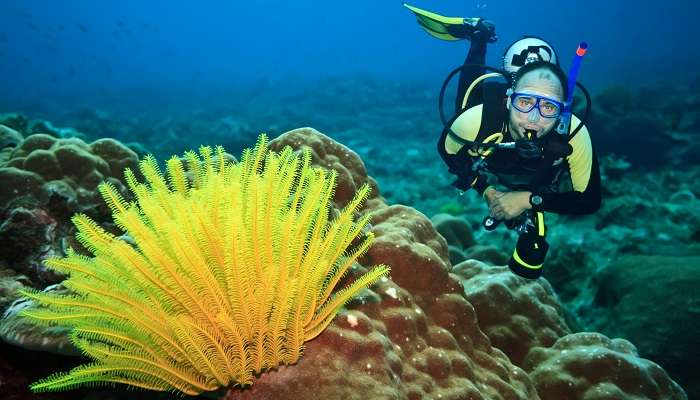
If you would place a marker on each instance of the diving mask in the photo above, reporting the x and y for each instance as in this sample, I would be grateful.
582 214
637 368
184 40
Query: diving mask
526 102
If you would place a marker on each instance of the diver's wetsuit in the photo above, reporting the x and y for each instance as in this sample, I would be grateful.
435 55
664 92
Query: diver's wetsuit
504 166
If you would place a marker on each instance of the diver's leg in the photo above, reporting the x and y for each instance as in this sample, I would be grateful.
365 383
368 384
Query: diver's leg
469 73
530 250
485 32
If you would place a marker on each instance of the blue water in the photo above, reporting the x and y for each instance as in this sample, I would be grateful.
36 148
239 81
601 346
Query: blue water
166 76
78 52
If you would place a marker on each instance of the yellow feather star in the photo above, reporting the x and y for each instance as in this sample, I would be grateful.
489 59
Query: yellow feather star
232 271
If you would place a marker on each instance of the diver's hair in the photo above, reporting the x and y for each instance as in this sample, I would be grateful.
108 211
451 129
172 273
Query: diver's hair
538 65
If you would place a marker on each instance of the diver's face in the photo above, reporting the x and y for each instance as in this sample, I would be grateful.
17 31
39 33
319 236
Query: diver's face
540 83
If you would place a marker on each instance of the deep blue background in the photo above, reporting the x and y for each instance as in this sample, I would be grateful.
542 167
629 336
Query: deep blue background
92 52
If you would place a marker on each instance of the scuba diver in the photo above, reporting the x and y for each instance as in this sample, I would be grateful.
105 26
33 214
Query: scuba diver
513 141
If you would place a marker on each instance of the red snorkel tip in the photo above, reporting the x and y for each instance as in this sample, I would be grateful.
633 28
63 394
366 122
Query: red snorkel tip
581 51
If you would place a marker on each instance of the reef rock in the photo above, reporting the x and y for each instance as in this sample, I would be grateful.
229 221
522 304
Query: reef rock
590 366
42 166
430 331
517 314
413 336
653 301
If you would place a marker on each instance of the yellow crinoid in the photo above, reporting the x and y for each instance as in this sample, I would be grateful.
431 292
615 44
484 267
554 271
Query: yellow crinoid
231 269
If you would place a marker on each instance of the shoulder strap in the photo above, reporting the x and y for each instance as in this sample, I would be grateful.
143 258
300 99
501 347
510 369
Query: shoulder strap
494 112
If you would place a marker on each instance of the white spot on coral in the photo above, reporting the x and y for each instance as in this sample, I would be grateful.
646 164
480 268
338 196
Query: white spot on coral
352 320
369 366
418 311
392 292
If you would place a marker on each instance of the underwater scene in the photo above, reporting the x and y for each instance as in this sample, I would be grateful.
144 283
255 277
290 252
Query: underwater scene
432 199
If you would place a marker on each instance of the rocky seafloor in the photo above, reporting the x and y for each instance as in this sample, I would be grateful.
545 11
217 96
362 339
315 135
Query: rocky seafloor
615 317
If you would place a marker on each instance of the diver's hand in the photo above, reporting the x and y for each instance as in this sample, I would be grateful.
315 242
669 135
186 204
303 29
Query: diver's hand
507 205
491 194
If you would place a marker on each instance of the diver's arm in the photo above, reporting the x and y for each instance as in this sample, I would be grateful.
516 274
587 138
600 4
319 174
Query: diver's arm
585 176
460 165
455 154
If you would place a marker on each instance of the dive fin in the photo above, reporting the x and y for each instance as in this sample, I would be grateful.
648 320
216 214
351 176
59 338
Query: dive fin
445 28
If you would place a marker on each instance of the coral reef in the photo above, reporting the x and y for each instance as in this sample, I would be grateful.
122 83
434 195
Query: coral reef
414 336
43 165
330 154
634 302
590 366
516 314
206 297
462 243
437 331
46 180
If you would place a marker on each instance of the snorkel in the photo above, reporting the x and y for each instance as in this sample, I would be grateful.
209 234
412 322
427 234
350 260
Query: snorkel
565 120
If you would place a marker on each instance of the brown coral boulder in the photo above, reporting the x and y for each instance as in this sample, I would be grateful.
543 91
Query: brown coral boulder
417 254
590 366
457 233
389 348
328 153
414 336
517 314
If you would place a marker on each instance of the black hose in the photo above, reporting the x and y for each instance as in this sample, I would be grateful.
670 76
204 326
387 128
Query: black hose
583 119
441 98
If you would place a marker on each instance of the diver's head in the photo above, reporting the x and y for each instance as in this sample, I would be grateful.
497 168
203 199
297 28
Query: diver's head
526 50
536 100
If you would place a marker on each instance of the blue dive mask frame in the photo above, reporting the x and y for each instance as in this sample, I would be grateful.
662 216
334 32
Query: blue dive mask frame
538 103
